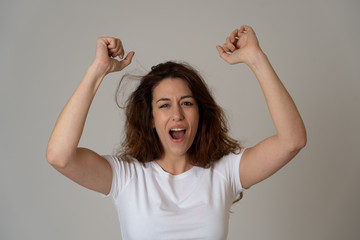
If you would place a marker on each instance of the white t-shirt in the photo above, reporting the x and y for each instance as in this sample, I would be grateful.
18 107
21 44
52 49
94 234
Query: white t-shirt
153 204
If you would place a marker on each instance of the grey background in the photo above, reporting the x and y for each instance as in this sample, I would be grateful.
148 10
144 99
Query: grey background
46 47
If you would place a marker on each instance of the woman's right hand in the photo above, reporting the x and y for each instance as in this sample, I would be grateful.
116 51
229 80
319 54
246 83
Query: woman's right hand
81 165
107 49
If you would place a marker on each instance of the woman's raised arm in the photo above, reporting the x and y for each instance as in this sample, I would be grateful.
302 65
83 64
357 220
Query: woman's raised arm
268 156
79 164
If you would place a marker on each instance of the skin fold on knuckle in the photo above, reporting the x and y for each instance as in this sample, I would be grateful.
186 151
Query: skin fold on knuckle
230 47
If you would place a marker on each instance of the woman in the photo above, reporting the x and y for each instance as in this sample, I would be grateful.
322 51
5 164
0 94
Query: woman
179 172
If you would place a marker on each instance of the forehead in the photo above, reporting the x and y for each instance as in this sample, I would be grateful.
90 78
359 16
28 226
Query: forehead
171 87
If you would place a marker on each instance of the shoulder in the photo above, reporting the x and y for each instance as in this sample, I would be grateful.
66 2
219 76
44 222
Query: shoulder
126 168
228 168
124 171
230 160
124 163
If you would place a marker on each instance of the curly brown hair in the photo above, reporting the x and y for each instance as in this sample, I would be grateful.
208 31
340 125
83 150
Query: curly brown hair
141 140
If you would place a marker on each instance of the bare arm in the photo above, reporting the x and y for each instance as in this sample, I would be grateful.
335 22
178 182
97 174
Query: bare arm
79 164
268 156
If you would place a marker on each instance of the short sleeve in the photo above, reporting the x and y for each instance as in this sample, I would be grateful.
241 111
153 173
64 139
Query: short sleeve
228 167
122 175
236 175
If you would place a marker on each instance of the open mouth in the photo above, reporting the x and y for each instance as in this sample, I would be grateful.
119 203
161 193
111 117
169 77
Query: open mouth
177 133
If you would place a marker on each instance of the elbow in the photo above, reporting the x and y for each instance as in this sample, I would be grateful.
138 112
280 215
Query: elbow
302 140
55 159
297 143
293 142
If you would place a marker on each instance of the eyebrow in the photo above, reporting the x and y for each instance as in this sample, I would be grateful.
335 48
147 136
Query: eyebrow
168 99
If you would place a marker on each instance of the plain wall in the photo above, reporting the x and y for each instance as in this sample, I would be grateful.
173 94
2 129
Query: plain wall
46 47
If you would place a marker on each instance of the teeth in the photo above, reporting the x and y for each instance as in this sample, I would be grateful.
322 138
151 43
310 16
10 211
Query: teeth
177 129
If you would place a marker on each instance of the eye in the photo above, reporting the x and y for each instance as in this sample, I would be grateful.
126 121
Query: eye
187 103
164 105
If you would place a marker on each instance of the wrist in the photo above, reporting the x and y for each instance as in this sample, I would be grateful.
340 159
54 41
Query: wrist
94 77
97 70
256 59
255 56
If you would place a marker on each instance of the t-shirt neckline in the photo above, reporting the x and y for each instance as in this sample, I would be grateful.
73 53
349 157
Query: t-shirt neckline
169 175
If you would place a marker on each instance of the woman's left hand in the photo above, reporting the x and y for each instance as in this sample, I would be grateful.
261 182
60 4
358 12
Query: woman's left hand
240 47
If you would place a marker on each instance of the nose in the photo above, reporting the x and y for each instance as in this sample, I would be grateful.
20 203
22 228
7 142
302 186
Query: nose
177 113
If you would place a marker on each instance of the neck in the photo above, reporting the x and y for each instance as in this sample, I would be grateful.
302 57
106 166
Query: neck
174 165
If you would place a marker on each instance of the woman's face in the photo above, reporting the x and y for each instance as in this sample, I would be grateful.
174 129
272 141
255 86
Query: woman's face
175 116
